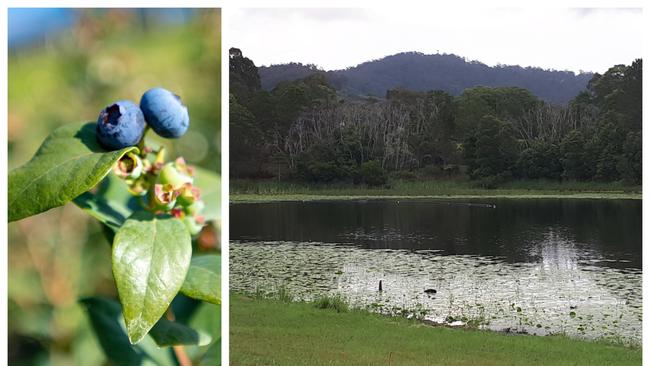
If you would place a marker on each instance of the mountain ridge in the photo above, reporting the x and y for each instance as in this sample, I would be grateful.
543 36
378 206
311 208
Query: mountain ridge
418 71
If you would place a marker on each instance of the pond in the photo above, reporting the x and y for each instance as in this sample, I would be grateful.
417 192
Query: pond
540 266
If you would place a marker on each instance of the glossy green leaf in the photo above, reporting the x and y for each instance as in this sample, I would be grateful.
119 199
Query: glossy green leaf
203 280
210 185
105 317
167 333
68 163
151 256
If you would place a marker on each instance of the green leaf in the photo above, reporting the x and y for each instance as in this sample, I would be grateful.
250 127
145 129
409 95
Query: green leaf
112 204
206 319
210 185
68 163
105 317
102 210
212 356
203 280
151 256
167 333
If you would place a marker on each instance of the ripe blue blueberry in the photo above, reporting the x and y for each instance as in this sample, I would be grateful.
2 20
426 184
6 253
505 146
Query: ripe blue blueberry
165 113
119 125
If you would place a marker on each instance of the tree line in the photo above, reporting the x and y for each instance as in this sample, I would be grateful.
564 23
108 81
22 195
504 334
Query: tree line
303 130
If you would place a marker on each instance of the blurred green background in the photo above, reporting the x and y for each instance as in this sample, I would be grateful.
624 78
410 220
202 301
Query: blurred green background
68 73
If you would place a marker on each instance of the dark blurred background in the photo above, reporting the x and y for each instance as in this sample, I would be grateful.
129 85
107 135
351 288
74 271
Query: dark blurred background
65 65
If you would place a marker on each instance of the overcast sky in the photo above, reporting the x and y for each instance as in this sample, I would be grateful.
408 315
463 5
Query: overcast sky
561 39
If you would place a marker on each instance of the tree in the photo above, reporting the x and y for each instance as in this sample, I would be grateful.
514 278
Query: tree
607 145
244 79
293 97
505 103
574 157
619 90
541 160
431 124
630 163
492 150
246 141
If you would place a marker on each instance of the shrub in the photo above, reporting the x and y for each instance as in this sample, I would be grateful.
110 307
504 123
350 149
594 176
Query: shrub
372 174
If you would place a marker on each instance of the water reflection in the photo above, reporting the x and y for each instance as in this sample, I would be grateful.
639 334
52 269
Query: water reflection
608 230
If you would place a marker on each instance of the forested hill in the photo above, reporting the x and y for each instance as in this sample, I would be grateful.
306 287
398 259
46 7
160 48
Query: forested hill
420 72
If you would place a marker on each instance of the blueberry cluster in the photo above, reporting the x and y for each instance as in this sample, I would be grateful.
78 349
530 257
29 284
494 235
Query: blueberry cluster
122 123
162 187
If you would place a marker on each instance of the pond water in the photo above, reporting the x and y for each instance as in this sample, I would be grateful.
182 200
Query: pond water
541 266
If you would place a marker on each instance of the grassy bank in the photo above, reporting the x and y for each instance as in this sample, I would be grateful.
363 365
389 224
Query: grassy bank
251 191
272 332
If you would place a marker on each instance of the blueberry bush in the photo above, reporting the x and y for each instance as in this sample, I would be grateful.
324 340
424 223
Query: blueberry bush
152 208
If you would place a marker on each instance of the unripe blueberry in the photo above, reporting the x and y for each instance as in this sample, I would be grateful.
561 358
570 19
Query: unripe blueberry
170 175
165 113
120 125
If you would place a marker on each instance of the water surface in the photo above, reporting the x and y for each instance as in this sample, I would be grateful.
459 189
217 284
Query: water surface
535 265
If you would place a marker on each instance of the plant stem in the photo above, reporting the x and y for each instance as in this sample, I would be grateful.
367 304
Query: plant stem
141 143
181 356
179 351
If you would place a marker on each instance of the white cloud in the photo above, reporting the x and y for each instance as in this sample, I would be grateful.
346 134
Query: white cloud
564 39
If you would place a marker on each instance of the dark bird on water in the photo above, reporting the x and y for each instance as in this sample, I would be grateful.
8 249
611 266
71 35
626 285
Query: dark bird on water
430 291
380 289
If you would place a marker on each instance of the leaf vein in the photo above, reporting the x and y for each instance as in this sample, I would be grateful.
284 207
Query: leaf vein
47 172
153 253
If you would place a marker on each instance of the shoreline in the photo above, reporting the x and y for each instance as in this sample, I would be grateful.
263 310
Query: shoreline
304 197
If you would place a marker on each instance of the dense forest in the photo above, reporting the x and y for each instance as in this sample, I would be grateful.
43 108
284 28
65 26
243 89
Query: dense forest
420 72
304 130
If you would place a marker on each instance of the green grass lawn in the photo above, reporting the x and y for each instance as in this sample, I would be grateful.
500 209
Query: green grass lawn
258 191
272 332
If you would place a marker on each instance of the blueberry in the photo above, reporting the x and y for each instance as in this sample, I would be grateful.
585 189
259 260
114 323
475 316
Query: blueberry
165 113
119 125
